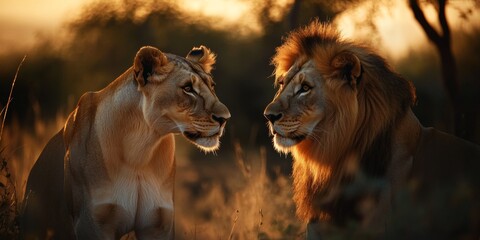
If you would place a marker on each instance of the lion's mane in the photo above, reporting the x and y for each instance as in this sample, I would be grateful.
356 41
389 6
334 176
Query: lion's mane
361 124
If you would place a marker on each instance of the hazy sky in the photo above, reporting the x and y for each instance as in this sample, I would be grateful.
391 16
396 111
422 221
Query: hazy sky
23 21
399 31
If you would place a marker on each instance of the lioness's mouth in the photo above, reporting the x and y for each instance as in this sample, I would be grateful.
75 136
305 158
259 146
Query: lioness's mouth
192 135
196 135
207 143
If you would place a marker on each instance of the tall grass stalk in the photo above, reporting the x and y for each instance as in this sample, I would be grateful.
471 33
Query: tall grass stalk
230 237
9 210
5 110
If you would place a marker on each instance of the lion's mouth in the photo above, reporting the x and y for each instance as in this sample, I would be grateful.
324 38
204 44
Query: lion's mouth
283 142
294 137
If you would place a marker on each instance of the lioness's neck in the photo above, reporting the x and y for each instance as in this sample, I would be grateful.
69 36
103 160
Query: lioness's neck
124 135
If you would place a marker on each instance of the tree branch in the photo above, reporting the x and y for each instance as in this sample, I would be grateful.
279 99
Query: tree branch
294 13
442 18
420 17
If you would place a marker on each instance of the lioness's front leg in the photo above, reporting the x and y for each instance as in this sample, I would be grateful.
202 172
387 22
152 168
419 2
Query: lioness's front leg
104 221
157 224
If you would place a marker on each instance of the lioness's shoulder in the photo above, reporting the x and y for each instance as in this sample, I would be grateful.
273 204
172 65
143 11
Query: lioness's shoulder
81 118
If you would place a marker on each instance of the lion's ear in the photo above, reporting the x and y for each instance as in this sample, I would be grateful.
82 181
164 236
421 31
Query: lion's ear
348 66
203 56
148 65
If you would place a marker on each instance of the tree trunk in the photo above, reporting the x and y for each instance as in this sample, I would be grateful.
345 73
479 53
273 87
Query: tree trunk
294 13
442 42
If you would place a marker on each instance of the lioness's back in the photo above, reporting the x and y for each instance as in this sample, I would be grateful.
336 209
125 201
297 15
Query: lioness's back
49 168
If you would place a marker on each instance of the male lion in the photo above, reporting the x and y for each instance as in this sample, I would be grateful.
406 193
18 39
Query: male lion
362 161
111 169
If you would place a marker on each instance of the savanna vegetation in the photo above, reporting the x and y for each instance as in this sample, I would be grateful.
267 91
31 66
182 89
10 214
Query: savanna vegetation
243 191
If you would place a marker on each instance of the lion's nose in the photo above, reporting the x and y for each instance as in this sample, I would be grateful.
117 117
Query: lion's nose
273 117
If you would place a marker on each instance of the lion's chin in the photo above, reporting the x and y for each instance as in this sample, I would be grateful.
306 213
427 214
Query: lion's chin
207 144
283 144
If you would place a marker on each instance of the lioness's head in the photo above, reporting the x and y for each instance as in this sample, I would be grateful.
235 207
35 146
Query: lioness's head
331 91
178 95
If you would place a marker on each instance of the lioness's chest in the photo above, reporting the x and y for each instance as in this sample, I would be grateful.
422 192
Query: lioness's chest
135 192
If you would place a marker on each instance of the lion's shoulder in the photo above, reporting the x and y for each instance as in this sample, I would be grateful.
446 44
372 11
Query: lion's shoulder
441 156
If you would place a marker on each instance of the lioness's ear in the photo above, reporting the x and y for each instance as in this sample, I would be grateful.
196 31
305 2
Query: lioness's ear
203 56
348 66
147 65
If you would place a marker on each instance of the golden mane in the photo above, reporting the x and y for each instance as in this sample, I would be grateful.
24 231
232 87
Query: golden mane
363 121
301 43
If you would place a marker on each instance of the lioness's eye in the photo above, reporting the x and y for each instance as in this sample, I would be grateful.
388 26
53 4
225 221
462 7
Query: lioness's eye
188 88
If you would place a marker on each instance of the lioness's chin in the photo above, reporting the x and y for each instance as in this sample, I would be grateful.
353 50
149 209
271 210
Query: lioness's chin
207 144
283 144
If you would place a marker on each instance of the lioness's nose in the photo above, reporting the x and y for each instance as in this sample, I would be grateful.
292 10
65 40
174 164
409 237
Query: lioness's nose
219 119
221 113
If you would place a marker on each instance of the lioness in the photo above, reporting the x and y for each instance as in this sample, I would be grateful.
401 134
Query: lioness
111 169
363 163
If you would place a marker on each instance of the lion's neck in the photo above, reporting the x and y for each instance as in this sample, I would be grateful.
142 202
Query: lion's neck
405 140
407 134
125 138
326 175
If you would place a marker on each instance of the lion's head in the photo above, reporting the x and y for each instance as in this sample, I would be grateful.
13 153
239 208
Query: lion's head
335 100
327 90
178 95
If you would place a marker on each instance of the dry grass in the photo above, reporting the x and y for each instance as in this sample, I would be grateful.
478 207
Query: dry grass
8 202
19 148
243 203
9 209
237 200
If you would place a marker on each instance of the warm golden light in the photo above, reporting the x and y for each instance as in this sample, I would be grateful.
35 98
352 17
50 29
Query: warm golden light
22 21
228 12
399 33
240 16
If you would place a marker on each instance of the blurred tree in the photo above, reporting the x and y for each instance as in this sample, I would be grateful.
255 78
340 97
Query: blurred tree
442 40
303 11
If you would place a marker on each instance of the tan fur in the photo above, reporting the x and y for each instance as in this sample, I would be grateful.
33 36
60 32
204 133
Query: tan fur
207 60
111 169
353 118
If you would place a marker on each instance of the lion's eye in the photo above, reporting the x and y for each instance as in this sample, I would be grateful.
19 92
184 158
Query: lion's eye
305 88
